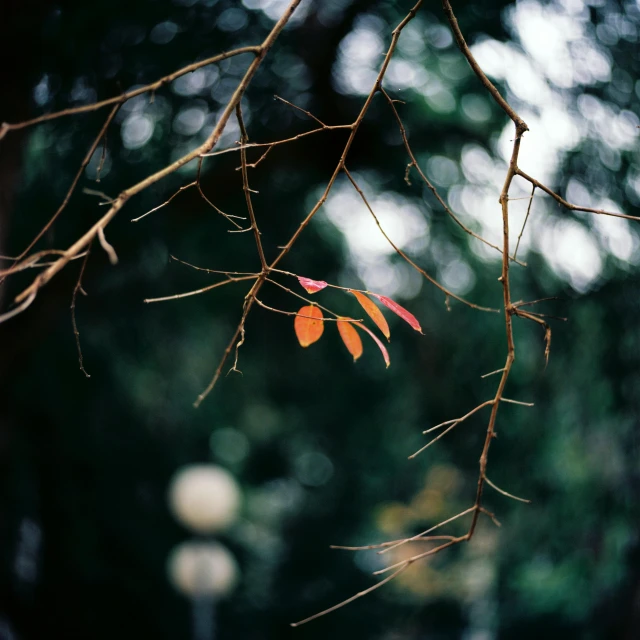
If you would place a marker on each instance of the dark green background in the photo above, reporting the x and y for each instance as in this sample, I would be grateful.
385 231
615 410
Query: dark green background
84 523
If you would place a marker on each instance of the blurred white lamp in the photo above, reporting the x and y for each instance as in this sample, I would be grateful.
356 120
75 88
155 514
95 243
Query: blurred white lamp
199 569
204 497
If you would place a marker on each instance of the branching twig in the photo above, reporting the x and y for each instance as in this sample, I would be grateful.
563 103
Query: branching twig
354 129
228 216
276 143
427 182
74 182
452 423
81 247
251 296
94 106
205 147
407 259
166 202
568 205
509 311
238 332
421 535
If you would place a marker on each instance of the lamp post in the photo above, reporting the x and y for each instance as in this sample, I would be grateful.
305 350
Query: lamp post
204 498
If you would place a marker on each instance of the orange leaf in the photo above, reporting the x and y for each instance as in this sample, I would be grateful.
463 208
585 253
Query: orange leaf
373 312
401 311
309 325
385 353
312 286
351 338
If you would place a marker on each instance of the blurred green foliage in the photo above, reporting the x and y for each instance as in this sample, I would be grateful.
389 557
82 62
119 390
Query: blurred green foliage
318 444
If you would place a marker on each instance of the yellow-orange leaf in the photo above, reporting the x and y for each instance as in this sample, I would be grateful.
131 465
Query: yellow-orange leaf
373 312
351 338
309 325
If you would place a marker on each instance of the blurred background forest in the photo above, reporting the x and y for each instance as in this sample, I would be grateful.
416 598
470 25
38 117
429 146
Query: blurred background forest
319 445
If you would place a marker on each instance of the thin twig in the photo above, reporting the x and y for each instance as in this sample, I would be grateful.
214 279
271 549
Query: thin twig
521 125
103 157
530 302
295 106
360 594
165 80
524 224
418 536
238 332
226 273
420 556
76 333
253 165
166 202
302 315
20 308
568 205
523 404
228 216
454 423
505 493
492 373
177 296
247 190
277 143
382 545
32 262
491 515
109 250
106 199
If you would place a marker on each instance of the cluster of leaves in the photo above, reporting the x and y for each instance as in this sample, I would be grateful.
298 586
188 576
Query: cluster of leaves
309 322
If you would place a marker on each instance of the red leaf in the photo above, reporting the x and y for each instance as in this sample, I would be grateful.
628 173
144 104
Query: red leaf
373 312
401 311
308 325
351 338
385 353
312 286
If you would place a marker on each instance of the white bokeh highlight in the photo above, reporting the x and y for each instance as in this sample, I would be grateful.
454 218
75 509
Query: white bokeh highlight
198 569
205 498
